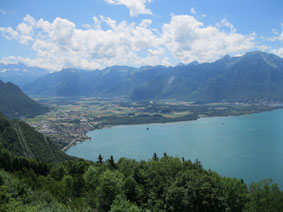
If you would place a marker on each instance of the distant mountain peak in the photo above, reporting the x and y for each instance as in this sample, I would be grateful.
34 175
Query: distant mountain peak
270 59
259 54
180 64
227 56
226 59
194 63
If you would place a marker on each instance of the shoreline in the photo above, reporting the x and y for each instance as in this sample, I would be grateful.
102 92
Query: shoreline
74 142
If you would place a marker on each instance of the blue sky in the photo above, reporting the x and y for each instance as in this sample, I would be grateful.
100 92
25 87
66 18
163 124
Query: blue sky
93 34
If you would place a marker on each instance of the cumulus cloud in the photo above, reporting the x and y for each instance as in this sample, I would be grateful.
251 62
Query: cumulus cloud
136 7
23 31
8 33
189 39
60 43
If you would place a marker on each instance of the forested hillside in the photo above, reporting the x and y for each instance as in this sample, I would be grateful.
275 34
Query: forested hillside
165 184
20 139
15 104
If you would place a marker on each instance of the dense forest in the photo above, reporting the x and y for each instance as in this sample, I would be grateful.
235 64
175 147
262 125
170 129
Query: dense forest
35 176
159 184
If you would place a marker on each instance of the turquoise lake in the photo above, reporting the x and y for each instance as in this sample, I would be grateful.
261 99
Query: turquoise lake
248 147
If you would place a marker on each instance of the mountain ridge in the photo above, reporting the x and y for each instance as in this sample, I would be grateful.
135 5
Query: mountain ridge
251 77
15 104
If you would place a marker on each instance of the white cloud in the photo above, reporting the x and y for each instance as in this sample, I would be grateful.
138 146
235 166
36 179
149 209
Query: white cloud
279 39
278 36
24 28
23 31
29 20
157 52
62 32
263 47
189 39
24 39
45 26
8 33
60 44
136 7
278 52
193 11
225 23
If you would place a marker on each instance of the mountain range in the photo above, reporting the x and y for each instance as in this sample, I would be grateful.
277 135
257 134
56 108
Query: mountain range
15 104
255 76
20 74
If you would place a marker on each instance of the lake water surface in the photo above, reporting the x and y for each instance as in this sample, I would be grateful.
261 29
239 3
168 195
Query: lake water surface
248 147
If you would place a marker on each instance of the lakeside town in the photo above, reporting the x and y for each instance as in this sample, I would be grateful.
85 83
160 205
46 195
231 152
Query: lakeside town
69 120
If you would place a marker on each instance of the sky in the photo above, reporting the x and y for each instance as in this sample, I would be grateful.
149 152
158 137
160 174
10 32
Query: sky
94 34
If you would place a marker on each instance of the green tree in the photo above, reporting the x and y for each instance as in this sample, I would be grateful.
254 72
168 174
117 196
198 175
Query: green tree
120 204
92 175
195 191
131 189
235 193
165 155
66 188
111 162
58 171
100 159
127 166
155 156
110 185
264 197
